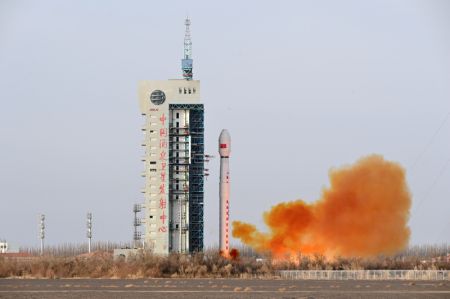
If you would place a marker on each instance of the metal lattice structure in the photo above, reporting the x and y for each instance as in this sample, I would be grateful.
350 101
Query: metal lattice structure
196 184
137 235
174 161
186 62
193 166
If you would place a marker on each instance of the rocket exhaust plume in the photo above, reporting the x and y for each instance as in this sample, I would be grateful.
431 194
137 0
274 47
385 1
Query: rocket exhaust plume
363 213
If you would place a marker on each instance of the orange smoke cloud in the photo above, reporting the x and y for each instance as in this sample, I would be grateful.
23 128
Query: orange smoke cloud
363 213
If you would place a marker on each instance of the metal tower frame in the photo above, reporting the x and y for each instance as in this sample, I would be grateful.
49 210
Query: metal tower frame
195 191
187 62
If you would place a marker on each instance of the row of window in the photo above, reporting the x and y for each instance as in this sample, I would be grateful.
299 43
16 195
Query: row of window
186 90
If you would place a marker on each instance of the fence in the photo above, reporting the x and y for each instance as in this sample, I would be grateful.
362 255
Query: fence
73 249
365 274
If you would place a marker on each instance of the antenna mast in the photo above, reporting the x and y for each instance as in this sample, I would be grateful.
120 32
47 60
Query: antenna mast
186 62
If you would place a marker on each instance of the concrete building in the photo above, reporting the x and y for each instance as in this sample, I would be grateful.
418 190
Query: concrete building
174 161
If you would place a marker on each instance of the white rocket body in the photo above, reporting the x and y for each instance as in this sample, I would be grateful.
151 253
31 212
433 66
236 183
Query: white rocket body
224 187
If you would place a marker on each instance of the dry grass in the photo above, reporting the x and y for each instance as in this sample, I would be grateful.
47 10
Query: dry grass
102 265
208 265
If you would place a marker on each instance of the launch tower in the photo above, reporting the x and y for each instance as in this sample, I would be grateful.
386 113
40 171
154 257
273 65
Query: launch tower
174 160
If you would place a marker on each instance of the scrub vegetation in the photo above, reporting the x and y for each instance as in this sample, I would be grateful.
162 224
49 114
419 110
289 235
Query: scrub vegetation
101 264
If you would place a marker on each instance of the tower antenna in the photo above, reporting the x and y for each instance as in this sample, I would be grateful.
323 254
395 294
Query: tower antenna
186 62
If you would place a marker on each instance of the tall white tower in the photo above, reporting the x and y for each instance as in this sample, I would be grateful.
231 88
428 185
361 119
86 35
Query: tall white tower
224 197
174 160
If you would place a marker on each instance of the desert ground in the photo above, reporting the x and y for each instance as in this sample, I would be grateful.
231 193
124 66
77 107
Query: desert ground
219 288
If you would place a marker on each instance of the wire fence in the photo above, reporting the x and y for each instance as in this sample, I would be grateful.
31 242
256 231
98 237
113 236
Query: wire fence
73 249
365 274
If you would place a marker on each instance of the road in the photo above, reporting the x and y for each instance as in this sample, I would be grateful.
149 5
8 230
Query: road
218 289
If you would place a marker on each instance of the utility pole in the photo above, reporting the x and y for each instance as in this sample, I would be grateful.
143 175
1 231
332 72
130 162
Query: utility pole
42 232
89 230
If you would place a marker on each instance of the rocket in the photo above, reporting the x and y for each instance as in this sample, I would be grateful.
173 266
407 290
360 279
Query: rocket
224 192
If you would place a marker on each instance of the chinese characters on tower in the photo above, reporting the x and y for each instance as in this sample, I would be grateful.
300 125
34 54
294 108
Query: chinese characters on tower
162 222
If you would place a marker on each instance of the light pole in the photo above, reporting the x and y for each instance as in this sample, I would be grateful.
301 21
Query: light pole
89 230
42 231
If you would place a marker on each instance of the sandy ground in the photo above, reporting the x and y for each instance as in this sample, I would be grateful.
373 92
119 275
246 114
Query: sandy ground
219 288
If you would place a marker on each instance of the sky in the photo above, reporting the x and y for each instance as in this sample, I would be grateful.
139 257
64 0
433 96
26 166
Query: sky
302 87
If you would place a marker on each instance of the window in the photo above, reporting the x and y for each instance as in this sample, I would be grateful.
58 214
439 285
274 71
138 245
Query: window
177 124
189 91
185 91
178 115
178 146
179 90
153 170
152 162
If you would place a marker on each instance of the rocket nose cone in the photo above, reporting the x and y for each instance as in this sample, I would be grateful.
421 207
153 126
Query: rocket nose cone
224 143
224 136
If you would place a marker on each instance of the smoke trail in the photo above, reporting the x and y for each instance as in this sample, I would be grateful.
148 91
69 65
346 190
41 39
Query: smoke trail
364 213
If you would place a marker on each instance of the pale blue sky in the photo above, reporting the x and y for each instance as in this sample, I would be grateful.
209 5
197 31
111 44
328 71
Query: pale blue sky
302 86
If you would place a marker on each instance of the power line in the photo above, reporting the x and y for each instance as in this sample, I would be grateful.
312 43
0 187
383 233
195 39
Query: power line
427 194
444 228
436 133
443 169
